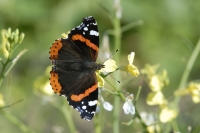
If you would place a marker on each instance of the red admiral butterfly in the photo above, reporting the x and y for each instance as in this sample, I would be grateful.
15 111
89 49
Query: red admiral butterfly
73 71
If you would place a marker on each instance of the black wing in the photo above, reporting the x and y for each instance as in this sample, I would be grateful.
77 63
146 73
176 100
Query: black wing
67 76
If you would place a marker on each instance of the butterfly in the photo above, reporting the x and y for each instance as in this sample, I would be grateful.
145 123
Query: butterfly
73 67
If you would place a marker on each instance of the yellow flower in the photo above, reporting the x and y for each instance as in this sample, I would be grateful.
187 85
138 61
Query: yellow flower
155 83
156 98
46 89
42 83
156 80
194 90
110 66
101 81
2 102
4 46
149 70
10 40
167 115
152 128
131 68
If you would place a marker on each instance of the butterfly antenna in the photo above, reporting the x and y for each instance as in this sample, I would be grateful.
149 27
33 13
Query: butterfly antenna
11 104
111 76
111 55
115 79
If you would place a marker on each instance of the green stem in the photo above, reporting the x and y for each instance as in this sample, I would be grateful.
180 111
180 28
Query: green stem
131 25
174 124
97 125
137 95
68 117
65 110
119 93
15 60
117 41
185 76
137 115
2 75
18 123
188 69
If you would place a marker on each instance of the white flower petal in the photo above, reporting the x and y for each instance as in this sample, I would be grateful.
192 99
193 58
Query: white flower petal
128 106
107 106
148 118
131 57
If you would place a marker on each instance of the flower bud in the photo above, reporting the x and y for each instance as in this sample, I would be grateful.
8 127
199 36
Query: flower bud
12 35
16 32
16 38
21 38
6 34
9 32
7 46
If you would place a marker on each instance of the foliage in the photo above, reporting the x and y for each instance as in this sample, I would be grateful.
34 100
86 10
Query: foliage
151 32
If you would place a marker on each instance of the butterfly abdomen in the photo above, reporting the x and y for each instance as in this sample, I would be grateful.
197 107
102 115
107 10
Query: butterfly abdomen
92 66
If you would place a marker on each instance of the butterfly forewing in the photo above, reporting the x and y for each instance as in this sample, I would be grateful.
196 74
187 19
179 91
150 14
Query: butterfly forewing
88 33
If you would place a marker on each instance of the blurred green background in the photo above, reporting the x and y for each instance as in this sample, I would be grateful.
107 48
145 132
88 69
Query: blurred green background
170 31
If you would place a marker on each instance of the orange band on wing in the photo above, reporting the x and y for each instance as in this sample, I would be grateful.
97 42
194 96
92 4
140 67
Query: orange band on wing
54 82
79 97
56 46
83 39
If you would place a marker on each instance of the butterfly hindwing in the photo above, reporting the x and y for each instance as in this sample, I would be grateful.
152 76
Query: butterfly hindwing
85 100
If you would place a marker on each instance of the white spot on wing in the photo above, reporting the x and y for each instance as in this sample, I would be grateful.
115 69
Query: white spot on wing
93 32
92 103
85 29
92 112
84 107
63 95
